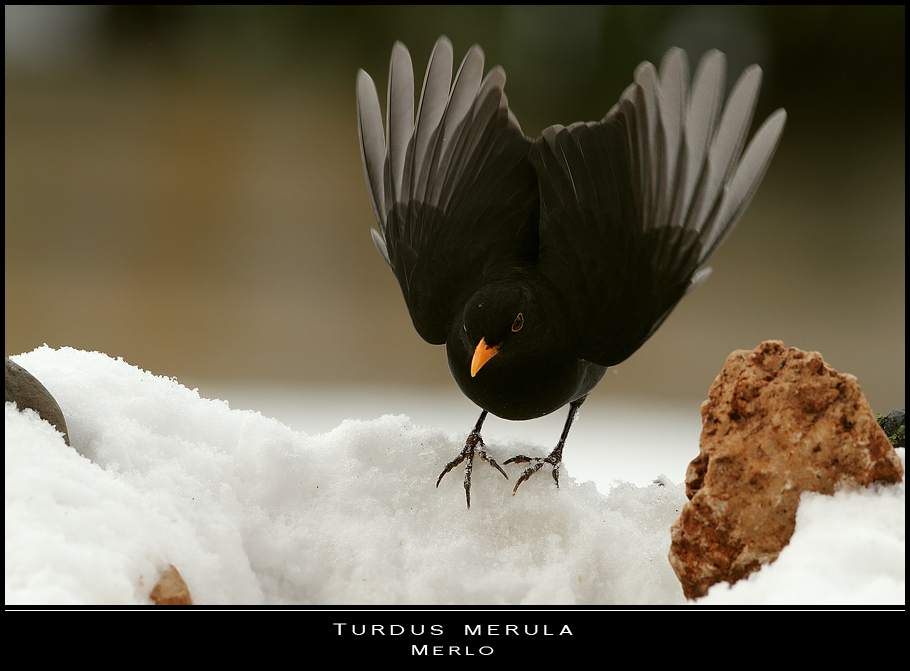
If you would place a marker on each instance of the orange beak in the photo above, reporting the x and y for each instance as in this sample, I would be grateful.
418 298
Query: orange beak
482 354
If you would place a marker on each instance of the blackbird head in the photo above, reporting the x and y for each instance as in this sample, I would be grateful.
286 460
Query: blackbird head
508 322
495 323
510 350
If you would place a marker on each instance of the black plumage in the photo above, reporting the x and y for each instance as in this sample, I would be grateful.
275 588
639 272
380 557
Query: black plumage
539 263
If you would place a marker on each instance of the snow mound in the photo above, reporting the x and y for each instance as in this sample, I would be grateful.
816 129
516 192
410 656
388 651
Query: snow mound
252 512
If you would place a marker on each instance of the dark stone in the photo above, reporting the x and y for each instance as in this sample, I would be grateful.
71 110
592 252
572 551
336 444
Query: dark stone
894 426
23 389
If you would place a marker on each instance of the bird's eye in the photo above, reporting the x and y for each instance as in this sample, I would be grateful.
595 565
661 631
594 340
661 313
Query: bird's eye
518 323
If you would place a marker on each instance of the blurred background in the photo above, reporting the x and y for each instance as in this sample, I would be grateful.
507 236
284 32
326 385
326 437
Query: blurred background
184 190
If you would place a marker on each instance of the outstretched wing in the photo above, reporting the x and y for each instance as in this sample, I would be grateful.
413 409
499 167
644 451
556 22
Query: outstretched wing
633 206
453 192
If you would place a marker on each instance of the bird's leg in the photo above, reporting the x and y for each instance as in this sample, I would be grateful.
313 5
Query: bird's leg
555 457
473 447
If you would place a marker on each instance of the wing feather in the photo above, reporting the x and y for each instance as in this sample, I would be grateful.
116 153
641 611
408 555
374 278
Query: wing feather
453 190
633 206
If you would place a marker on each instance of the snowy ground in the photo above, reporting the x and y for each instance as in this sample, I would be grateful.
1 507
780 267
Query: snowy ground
323 510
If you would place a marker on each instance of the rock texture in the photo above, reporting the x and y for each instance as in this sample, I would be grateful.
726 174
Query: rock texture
24 389
171 589
894 426
778 421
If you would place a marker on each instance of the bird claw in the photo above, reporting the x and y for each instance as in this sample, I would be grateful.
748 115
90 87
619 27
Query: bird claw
472 447
554 459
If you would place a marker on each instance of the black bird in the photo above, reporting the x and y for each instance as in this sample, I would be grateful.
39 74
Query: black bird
539 263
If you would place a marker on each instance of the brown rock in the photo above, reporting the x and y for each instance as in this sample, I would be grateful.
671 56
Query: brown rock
778 421
24 389
171 589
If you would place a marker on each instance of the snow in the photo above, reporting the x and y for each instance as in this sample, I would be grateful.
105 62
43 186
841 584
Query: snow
253 512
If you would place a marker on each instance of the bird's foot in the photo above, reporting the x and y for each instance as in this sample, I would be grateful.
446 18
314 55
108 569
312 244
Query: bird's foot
473 447
554 459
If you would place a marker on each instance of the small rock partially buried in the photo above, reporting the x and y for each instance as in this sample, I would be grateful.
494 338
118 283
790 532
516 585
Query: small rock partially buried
171 589
778 421
24 389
